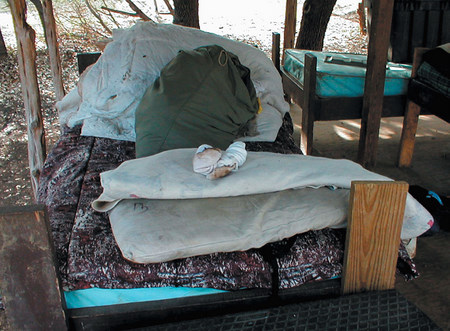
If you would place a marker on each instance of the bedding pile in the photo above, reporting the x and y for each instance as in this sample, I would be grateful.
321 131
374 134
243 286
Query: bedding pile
88 254
108 94
161 210
98 122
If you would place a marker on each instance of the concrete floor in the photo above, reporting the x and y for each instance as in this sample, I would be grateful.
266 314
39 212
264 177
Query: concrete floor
430 169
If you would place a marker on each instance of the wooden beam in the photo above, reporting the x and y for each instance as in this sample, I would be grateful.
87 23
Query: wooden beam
26 53
53 49
407 140
29 285
290 22
376 211
276 50
374 83
411 119
309 104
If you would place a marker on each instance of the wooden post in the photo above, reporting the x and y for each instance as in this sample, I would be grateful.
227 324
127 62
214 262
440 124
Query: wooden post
289 24
374 84
375 219
26 53
28 279
276 50
411 119
53 49
308 105
410 123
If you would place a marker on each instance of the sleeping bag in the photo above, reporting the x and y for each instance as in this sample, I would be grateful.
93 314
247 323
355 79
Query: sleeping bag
203 96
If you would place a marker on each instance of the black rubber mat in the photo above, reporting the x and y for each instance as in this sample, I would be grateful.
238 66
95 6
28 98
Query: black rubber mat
383 310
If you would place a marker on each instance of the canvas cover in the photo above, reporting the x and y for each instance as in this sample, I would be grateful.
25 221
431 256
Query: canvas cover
202 96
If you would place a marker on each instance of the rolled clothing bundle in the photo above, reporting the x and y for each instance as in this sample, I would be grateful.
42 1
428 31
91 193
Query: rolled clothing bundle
214 163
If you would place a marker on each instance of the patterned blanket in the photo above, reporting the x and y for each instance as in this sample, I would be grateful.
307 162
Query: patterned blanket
88 255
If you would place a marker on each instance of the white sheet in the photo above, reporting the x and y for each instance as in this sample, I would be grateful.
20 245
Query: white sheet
108 94
161 226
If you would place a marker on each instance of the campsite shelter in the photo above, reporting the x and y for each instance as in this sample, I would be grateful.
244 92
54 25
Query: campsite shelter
381 15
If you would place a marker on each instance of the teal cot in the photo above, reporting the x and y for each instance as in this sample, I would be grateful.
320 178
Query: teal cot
343 75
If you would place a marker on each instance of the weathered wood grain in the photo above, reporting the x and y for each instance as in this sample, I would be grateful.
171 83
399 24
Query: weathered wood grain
374 83
289 24
28 281
376 211
26 53
53 49
411 119
309 103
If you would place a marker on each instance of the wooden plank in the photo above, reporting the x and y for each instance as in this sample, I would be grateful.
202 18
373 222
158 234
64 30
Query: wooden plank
351 108
292 87
53 49
407 139
411 119
290 21
28 280
276 50
26 53
376 212
308 105
374 82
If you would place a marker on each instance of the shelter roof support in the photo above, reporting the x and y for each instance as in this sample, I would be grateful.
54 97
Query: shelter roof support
53 49
380 31
26 52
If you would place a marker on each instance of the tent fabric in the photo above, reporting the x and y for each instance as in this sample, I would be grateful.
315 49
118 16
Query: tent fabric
202 96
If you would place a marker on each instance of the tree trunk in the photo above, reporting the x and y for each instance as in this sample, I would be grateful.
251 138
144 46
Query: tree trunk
3 50
53 49
315 18
186 13
40 10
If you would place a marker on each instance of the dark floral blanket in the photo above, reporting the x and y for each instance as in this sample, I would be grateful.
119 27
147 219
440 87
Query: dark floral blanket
88 255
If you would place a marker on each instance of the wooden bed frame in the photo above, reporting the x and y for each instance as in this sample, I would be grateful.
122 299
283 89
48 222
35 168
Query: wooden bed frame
35 298
315 108
419 103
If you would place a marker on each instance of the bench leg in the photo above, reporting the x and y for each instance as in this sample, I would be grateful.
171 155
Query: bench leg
306 133
410 122
308 110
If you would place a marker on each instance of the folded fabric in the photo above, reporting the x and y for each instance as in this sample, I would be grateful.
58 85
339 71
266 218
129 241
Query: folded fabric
169 175
439 58
202 96
435 69
213 163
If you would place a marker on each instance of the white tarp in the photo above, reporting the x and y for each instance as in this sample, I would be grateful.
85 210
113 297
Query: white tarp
110 91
